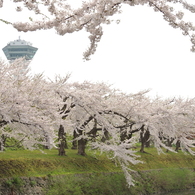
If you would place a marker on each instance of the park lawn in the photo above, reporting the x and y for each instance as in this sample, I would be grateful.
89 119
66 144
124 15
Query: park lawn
36 163
153 160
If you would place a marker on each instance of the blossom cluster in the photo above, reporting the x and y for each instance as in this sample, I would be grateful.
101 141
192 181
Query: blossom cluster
91 16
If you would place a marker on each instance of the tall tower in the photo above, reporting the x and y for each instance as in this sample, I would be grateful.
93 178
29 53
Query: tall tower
19 48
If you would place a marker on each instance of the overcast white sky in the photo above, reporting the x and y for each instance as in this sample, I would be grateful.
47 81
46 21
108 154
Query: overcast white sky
142 52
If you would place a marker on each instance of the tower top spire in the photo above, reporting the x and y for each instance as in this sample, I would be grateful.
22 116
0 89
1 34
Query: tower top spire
18 49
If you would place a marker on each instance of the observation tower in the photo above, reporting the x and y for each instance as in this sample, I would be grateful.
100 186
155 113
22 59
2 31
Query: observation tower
18 49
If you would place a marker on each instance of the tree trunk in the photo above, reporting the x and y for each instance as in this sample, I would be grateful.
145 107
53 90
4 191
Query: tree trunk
74 142
62 140
147 144
105 136
62 149
142 143
169 143
93 132
66 144
144 138
81 146
147 136
123 134
82 141
2 142
46 140
1 146
177 145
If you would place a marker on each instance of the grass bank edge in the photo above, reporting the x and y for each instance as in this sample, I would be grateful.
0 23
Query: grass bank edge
36 163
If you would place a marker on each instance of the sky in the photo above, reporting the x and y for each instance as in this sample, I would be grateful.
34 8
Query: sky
141 52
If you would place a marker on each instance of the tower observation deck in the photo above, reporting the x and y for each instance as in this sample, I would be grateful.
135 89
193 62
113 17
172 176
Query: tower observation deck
18 49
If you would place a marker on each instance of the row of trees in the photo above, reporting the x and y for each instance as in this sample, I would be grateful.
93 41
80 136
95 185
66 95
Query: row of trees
37 111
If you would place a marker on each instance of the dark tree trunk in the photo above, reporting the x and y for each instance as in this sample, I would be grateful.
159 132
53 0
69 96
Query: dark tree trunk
46 146
147 144
62 141
74 142
2 142
82 141
169 143
66 144
144 138
177 145
93 132
62 149
142 142
123 134
105 136
1 146
81 144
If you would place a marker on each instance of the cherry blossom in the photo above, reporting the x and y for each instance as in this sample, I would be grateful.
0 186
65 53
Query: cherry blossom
92 15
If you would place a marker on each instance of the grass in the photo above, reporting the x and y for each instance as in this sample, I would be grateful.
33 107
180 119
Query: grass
94 184
152 160
37 163
96 174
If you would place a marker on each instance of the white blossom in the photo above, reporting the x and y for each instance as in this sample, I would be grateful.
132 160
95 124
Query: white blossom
92 14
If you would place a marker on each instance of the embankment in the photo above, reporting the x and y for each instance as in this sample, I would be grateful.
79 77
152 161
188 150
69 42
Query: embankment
35 173
146 183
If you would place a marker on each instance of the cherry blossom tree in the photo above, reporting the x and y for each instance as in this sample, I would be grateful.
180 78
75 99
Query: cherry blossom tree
176 121
91 16
96 111
28 105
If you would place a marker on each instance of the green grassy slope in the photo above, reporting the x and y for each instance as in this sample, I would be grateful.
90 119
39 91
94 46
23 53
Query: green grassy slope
35 163
65 173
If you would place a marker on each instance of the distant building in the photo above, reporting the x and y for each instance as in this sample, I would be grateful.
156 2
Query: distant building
19 48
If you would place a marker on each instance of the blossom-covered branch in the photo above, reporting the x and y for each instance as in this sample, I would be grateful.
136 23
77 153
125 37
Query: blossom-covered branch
91 15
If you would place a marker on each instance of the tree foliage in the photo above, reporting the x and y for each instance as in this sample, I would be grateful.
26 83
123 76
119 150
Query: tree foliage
65 18
28 105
